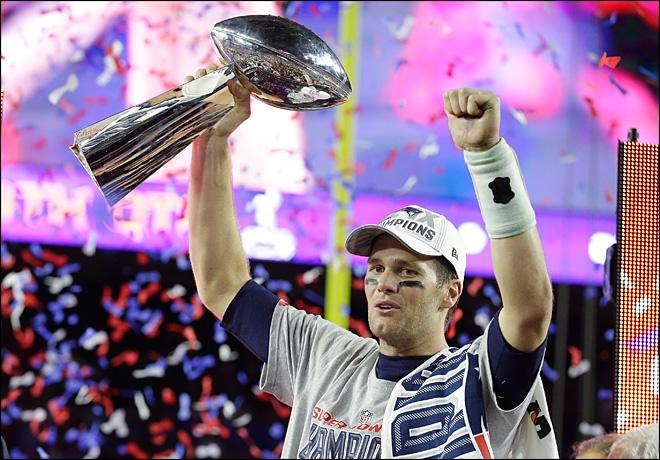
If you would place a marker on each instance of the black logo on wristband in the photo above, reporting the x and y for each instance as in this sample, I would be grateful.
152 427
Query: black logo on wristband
501 187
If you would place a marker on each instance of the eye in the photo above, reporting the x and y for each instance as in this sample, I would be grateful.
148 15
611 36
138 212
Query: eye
408 272
376 269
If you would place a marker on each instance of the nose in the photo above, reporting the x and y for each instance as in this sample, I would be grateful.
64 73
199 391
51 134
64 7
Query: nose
387 282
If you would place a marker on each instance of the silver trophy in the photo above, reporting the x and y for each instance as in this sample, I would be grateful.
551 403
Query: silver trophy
288 66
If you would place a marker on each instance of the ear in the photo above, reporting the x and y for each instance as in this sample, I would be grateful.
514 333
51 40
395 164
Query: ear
454 290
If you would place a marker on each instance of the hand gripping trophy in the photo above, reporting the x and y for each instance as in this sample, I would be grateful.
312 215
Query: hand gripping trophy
282 63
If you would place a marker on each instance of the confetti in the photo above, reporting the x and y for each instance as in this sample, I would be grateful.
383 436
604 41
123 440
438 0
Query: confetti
407 186
610 61
618 86
70 86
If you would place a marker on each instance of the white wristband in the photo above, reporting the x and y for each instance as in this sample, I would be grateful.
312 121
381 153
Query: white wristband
501 192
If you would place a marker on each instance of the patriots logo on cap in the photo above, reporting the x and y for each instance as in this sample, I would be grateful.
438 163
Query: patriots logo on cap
454 254
412 212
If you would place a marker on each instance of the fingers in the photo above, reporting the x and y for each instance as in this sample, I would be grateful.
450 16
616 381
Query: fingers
241 98
469 102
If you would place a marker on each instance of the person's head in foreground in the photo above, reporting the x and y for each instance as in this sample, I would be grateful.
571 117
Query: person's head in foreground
596 447
413 281
640 442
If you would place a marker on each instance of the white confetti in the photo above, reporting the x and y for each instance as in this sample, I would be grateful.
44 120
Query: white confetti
581 368
180 351
208 451
57 283
153 371
16 281
403 31
430 147
407 187
177 291
70 86
225 353
143 409
83 397
38 414
95 340
312 275
116 423
89 249
519 116
24 380
587 429
94 452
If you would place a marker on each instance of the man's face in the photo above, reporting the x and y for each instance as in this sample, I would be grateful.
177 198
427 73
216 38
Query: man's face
403 298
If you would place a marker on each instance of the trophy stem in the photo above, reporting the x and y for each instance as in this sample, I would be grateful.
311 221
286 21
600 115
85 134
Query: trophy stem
123 150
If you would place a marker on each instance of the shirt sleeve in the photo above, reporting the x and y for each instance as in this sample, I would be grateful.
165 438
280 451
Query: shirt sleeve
513 371
307 352
249 316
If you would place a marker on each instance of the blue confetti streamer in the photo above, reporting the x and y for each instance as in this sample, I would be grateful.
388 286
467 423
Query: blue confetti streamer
276 285
68 269
462 338
242 377
314 297
549 372
260 272
219 334
609 335
615 83
276 431
648 73
36 251
184 407
46 270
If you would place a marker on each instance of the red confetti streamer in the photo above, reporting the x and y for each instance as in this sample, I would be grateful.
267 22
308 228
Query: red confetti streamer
360 327
592 107
44 434
189 333
10 364
38 387
59 414
391 156
207 384
185 439
474 286
75 118
133 449
147 292
25 339
576 355
168 396
609 197
128 357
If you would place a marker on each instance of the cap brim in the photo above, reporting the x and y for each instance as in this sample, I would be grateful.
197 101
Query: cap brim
360 240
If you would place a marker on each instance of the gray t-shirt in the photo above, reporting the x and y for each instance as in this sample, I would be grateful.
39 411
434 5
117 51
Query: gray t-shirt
340 409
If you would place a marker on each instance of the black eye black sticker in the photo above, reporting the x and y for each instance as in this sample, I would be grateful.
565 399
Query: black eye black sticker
415 284
501 188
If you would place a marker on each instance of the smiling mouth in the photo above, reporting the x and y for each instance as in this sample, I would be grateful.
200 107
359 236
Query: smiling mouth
385 308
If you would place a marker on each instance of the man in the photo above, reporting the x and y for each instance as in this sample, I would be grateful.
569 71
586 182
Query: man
409 394
640 442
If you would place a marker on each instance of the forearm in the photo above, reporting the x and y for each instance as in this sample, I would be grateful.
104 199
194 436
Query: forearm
522 277
518 259
219 263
